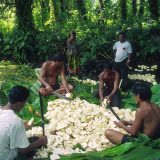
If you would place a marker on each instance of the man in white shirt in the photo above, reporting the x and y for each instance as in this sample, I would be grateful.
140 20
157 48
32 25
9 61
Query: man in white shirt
13 138
123 51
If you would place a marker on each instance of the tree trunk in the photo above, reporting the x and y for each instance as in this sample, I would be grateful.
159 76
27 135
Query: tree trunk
153 7
64 5
141 8
123 5
45 11
24 14
56 10
82 8
101 4
134 7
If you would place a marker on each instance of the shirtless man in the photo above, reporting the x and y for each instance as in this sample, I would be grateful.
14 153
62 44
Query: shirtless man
49 76
111 79
147 118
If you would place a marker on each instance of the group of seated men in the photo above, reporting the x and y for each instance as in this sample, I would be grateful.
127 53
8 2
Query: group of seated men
13 139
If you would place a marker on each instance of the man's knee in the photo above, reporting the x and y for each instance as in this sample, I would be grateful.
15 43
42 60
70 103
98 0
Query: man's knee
108 133
70 87
43 92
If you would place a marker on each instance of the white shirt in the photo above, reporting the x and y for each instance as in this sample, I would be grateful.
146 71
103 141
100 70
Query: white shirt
12 135
123 49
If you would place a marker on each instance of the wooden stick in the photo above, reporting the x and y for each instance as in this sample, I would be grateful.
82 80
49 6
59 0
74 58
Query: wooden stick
42 112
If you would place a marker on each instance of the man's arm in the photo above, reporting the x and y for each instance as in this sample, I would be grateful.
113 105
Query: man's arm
101 83
42 141
43 74
127 123
136 126
42 77
19 140
64 82
115 49
129 52
116 85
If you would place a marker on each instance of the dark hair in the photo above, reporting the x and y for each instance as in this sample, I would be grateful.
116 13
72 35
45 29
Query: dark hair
143 90
59 57
122 34
108 65
18 94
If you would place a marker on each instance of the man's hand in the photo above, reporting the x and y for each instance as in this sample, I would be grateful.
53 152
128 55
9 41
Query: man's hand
119 124
126 123
67 90
108 98
128 62
101 99
26 125
43 140
49 88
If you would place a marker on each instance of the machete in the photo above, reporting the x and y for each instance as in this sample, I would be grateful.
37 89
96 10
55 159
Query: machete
42 112
111 109
61 95
115 114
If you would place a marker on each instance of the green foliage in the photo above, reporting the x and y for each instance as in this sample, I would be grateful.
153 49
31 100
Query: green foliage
19 46
156 94
142 147
96 29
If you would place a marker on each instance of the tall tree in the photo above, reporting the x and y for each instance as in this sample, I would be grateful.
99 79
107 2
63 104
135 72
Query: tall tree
101 4
82 8
153 7
123 4
24 14
64 5
141 8
134 7
45 11
56 9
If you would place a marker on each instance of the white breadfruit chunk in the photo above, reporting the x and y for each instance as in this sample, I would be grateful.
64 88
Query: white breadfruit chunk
69 95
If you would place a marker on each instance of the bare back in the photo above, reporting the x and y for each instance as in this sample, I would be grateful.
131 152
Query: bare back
151 122
50 72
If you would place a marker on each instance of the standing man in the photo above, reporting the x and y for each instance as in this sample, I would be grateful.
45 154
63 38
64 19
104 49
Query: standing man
123 51
49 76
147 118
73 53
13 138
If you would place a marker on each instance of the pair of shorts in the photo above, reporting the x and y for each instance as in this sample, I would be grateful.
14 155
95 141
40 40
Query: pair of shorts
127 138
54 87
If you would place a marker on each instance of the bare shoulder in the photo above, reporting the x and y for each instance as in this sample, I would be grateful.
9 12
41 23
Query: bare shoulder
116 74
62 68
157 108
141 112
100 76
46 64
144 110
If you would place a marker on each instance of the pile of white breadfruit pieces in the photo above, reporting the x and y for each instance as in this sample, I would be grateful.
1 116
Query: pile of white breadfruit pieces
77 122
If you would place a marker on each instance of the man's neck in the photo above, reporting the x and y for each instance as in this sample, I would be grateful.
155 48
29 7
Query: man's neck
8 106
143 103
122 41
